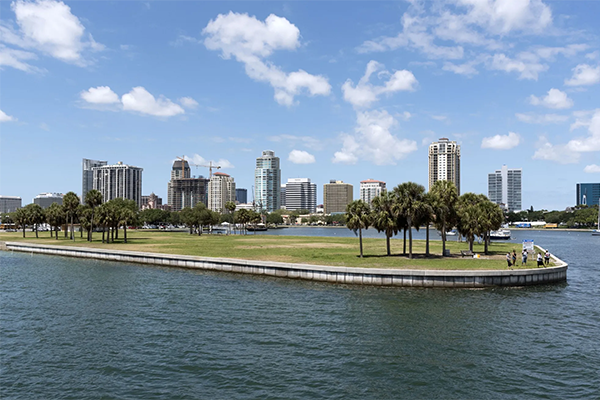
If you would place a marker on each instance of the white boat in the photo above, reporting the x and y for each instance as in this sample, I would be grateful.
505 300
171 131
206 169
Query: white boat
502 234
449 233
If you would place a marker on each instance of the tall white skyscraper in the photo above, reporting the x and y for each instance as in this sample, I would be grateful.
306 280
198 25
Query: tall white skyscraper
119 181
221 189
444 162
504 188
267 182
370 189
301 194
87 176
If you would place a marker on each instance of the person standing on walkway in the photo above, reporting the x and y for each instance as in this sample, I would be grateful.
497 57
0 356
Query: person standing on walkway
514 257
524 257
539 260
547 258
508 258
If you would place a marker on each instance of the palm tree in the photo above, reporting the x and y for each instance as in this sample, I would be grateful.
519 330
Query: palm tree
490 219
444 202
410 199
55 217
358 218
127 215
101 218
21 218
70 203
93 199
384 216
187 217
425 217
230 206
35 216
469 216
244 217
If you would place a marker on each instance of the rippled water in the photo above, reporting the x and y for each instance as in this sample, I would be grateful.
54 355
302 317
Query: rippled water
75 329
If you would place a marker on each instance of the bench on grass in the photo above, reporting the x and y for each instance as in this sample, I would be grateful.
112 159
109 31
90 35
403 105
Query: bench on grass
464 253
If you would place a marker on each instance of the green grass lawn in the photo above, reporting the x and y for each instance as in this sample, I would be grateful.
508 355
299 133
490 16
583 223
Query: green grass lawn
294 249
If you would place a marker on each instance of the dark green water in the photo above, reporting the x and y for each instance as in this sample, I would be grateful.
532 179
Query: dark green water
81 329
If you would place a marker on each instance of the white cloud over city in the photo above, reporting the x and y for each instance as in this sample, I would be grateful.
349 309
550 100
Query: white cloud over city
138 100
501 142
251 41
47 27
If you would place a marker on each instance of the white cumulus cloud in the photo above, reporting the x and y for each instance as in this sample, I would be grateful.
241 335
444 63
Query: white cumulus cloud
100 95
557 153
373 141
592 169
584 74
6 118
365 93
137 100
49 26
251 41
142 101
197 160
501 142
554 99
188 102
301 157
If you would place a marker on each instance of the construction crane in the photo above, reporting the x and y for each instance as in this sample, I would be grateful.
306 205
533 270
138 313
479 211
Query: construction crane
210 166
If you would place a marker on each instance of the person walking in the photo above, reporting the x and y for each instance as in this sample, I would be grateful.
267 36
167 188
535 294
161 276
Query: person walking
508 258
539 260
547 258
524 257
514 257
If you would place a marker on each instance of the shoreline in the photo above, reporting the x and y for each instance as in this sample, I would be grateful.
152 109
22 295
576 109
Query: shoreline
321 273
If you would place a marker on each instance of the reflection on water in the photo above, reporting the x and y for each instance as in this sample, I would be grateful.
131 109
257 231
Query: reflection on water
90 329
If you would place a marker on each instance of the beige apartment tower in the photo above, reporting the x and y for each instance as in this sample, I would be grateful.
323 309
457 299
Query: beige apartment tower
444 162
336 196
221 189
370 189
183 190
118 181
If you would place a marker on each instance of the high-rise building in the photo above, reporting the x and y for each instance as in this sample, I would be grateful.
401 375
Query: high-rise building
444 162
588 194
87 176
241 195
44 200
336 196
221 189
184 191
504 188
300 194
370 189
267 182
282 197
118 181
9 204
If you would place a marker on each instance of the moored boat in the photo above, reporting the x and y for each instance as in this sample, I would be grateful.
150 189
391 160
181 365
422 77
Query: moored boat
502 234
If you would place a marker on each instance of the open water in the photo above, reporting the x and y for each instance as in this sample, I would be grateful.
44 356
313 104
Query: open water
84 329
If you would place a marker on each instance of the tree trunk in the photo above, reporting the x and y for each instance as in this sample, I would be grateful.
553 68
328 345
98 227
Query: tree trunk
410 238
471 240
360 238
23 230
443 239
36 232
117 232
427 241
485 239
103 232
124 233
91 227
51 231
387 239
404 249
112 234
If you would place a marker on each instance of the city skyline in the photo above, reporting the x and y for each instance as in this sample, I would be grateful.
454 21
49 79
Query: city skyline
351 100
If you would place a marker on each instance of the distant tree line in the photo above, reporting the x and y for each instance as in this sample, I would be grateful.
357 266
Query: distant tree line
409 206
576 217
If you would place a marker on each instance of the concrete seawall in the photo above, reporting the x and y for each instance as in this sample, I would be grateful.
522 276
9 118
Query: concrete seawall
345 275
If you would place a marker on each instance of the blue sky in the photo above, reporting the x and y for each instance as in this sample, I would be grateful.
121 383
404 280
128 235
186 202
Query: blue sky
339 90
